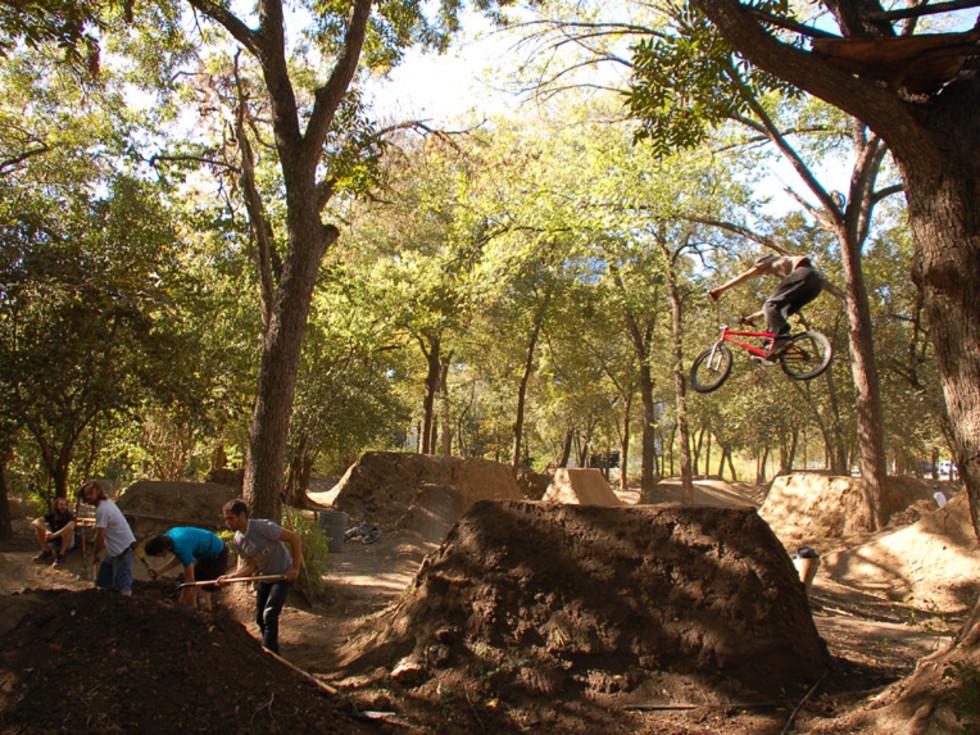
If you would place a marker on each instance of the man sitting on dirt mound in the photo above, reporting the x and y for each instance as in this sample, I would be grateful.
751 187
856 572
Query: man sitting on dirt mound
115 537
201 553
55 533
261 546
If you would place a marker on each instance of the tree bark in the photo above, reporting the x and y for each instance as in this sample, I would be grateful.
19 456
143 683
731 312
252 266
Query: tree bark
515 457
680 389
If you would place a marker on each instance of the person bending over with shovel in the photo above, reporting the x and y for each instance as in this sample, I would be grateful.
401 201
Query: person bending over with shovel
202 555
271 550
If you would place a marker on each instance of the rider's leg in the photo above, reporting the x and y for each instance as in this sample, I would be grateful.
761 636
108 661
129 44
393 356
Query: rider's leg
796 290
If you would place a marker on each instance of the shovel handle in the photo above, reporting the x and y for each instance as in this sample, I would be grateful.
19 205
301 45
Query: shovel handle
260 578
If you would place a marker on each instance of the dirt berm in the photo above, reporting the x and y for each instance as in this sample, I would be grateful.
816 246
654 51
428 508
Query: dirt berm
541 606
418 492
98 662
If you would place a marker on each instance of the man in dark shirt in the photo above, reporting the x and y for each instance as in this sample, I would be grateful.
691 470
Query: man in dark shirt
55 533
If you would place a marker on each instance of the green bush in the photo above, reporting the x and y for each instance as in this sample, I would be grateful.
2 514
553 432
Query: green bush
316 554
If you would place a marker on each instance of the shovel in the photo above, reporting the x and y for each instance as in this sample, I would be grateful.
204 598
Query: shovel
260 578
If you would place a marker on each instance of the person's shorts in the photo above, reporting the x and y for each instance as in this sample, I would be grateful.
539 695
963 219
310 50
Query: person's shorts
56 544
116 572
205 569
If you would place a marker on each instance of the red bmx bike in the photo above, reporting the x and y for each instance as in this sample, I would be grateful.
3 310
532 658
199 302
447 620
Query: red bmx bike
806 356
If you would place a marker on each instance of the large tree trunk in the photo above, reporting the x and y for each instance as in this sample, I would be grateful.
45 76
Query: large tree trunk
680 380
945 220
281 348
432 352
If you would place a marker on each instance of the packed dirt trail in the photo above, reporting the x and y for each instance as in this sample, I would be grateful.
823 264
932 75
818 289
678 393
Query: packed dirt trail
531 616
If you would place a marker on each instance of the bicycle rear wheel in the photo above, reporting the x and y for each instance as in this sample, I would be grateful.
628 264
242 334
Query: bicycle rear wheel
808 355
711 368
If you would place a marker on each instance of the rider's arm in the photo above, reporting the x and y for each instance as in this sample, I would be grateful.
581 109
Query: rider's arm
716 292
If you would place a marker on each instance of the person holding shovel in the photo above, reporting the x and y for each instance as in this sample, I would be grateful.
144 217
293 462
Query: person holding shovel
114 536
271 550
202 555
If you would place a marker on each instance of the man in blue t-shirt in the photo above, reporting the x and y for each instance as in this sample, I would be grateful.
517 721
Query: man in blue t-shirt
271 550
202 555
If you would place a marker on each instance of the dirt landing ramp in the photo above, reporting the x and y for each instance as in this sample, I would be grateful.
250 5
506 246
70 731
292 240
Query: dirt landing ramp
935 561
419 493
811 509
158 506
535 605
584 487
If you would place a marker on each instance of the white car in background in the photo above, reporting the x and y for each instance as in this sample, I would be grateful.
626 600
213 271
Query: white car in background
947 469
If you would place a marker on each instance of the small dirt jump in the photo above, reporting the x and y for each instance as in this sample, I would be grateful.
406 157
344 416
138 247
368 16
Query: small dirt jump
581 486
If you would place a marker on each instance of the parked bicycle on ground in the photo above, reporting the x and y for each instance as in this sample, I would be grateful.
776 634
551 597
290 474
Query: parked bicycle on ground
807 355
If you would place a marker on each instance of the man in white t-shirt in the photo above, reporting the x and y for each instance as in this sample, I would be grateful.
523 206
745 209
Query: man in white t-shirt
114 536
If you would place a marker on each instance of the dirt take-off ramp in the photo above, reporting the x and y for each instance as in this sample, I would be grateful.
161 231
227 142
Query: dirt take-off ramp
418 492
581 486
539 605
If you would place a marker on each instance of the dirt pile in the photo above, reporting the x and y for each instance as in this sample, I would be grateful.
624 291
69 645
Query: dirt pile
158 506
582 486
934 561
98 662
534 607
418 492
811 509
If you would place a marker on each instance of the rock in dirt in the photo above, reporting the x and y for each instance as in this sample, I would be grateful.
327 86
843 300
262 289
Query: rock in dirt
612 605
94 661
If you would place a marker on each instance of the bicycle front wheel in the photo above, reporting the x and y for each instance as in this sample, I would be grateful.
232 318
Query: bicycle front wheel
711 368
808 355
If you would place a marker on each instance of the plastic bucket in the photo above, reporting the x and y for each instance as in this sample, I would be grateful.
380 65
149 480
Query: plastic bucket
333 525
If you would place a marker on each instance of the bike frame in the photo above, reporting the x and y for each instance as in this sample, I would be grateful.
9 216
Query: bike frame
729 335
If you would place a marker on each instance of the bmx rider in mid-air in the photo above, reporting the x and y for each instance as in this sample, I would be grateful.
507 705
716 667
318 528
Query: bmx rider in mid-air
801 283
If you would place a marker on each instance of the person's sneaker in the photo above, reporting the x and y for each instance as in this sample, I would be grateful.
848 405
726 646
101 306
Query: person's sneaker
760 360
778 346
58 562
44 555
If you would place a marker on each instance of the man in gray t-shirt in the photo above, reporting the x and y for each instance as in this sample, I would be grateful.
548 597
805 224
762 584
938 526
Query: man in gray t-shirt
269 549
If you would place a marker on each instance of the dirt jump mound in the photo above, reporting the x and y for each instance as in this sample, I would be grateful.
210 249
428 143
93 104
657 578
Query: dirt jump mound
535 605
810 508
582 486
158 506
98 662
419 492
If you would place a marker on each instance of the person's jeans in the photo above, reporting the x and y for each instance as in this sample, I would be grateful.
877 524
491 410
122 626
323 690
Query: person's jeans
799 288
116 572
269 599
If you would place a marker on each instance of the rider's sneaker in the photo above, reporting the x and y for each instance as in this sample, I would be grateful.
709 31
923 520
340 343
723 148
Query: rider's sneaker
759 360
44 556
58 562
778 346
